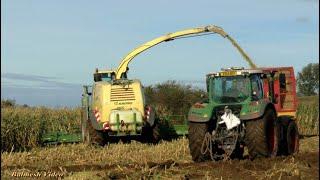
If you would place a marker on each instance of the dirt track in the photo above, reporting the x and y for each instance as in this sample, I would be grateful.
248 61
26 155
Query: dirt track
304 165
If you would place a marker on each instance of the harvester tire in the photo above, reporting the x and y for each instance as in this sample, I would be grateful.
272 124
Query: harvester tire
262 136
150 134
95 137
196 136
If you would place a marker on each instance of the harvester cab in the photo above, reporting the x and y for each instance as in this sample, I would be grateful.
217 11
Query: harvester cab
247 107
104 75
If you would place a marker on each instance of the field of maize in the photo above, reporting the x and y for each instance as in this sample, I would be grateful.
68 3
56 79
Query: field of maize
23 154
22 128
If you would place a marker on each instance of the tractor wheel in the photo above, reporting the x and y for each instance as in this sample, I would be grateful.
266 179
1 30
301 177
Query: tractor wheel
292 137
94 136
196 136
262 136
289 142
238 152
150 134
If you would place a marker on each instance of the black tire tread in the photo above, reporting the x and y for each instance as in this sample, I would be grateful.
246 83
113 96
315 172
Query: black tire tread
196 135
256 137
95 136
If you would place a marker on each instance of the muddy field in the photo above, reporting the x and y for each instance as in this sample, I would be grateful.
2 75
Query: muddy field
167 160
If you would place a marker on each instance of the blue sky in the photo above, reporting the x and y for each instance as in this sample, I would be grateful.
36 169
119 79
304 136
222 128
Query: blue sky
50 48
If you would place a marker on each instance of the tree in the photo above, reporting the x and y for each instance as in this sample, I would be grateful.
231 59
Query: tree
8 103
308 80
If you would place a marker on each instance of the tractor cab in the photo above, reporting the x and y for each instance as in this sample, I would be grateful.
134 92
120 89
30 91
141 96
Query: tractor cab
235 85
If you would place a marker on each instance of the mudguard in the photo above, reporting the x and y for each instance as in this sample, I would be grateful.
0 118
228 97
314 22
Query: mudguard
200 112
255 110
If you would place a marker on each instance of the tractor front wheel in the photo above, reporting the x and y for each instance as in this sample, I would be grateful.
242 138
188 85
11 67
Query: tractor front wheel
196 136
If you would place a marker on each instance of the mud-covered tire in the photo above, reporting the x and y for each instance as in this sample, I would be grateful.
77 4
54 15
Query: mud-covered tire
94 136
292 138
289 142
196 135
238 152
262 136
151 134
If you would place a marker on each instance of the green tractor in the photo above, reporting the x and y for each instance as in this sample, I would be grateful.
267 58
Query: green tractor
245 107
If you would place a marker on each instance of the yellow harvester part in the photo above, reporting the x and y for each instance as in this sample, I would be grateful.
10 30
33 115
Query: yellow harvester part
122 68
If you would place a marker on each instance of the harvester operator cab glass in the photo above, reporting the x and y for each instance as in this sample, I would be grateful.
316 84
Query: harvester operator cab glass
256 88
232 89
104 77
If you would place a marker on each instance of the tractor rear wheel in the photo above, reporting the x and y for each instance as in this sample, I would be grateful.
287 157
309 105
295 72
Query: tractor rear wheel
196 136
262 136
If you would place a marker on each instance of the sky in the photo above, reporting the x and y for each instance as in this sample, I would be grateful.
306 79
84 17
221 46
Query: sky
49 49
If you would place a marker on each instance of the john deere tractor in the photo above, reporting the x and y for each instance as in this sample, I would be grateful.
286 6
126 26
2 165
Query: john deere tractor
246 107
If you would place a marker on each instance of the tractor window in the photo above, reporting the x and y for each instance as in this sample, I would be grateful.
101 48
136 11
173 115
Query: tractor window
256 87
233 89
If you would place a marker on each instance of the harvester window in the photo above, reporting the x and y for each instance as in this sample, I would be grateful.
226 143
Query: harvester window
105 77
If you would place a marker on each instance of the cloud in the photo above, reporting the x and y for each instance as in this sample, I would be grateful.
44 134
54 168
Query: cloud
302 19
39 90
32 96
43 81
313 1
26 77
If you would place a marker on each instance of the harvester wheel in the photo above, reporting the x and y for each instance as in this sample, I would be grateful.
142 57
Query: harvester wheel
94 136
262 136
150 134
196 136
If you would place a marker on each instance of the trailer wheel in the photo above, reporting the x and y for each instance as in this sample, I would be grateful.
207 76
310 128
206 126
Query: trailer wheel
292 138
289 142
196 135
262 136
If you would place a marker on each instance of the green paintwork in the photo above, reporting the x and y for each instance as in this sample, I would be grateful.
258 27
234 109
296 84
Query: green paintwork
59 137
249 109
178 123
